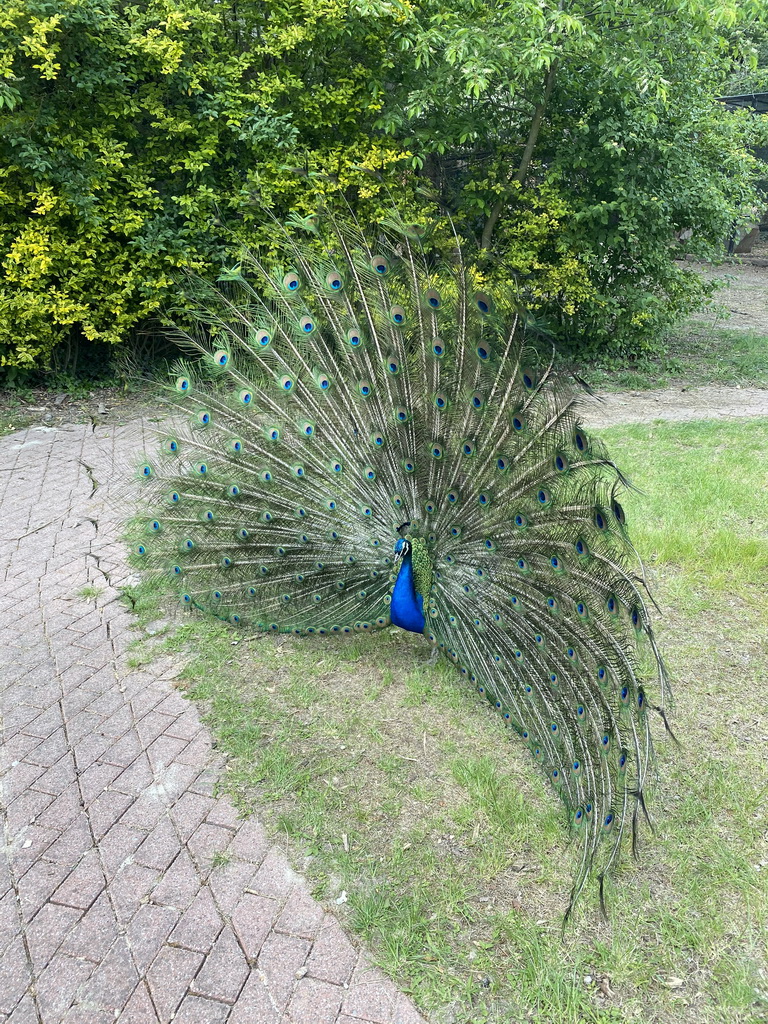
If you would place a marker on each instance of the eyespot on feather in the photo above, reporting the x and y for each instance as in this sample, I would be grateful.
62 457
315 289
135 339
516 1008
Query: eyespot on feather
483 302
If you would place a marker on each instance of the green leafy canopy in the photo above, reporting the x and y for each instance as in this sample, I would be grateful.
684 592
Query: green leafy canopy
573 140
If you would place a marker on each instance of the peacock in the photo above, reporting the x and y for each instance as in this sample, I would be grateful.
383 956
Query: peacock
362 436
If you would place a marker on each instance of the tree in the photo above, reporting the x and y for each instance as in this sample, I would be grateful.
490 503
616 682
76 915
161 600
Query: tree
579 138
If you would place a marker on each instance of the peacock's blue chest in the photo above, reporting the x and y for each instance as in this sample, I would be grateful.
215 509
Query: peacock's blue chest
407 609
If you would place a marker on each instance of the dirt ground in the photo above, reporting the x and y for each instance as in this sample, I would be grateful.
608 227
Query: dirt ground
745 297
710 403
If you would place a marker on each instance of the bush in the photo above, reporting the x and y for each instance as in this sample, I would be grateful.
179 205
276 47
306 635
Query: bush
137 140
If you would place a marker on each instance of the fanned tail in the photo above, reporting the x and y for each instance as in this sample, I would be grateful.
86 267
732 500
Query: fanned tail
363 398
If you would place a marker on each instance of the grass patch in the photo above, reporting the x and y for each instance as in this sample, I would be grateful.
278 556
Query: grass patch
390 780
697 356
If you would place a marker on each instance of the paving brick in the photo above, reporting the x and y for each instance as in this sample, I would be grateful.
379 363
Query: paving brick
105 810
15 975
207 841
94 933
146 696
225 970
333 956
179 883
25 1012
129 776
29 845
186 726
108 703
82 1015
41 725
151 726
224 813
195 1010
145 811
130 887
86 723
160 846
301 914
197 752
9 918
16 747
69 847
165 751
83 885
199 925
25 809
228 883
280 958
139 1009
135 778
206 782
314 1002
65 808
404 1011
123 751
21 779
371 995
255 1004
189 811
114 980
58 776
149 928
42 879
118 723
51 750
169 977
47 930
59 984
89 750
275 877
252 920
118 846
96 779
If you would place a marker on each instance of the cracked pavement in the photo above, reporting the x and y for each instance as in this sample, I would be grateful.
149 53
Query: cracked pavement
129 891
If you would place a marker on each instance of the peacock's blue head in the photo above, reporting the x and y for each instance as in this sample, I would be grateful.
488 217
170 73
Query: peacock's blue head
399 545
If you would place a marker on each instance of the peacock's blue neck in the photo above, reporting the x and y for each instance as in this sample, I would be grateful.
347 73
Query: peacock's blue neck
407 608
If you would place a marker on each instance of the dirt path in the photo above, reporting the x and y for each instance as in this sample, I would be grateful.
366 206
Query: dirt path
704 403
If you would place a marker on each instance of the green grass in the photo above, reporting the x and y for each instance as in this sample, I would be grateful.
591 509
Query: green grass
386 778
697 355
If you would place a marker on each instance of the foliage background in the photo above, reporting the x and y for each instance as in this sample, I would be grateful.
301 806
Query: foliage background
571 141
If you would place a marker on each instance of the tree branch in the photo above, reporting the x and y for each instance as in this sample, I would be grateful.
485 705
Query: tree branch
522 170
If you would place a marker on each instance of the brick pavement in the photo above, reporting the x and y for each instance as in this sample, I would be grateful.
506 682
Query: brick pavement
130 893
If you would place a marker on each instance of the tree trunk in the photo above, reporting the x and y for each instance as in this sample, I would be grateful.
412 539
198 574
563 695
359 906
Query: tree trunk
522 170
